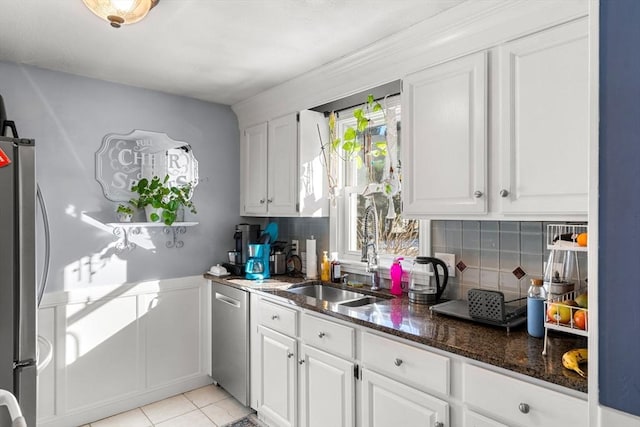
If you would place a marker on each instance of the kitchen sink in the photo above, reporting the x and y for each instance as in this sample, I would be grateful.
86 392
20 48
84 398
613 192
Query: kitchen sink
335 295
361 301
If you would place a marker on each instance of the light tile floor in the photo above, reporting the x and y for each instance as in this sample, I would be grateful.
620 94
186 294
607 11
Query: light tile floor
209 406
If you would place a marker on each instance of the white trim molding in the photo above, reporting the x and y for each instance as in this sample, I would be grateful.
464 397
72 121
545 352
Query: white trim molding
469 27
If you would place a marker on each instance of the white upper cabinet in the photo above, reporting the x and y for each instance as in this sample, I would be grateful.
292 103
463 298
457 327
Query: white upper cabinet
253 170
514 148
444 115
282 166
544 122
282 172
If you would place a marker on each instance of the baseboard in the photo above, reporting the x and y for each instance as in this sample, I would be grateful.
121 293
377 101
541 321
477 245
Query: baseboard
98 412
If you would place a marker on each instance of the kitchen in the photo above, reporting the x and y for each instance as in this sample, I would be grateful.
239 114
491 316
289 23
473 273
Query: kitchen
100 302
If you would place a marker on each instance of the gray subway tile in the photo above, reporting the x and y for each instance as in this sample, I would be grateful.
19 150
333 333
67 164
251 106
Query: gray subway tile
489 259
509 241
513 226
509 261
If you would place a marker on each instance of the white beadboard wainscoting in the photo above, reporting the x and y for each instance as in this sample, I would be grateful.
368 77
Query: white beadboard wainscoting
123 346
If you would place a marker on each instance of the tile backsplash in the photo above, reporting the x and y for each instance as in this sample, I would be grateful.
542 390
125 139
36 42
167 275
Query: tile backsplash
496 255
302 229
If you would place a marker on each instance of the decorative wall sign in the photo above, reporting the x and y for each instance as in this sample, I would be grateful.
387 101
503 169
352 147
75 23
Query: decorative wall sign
124 159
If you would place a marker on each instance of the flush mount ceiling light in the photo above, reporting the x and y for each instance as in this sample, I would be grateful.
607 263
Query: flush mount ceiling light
121 12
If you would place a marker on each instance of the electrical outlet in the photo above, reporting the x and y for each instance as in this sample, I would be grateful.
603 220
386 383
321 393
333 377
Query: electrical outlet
450 260
295 246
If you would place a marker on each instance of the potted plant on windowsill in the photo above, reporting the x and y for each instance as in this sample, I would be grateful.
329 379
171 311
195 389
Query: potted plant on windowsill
161 201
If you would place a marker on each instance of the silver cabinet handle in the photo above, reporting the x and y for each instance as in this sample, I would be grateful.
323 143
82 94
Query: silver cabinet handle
477 194
300 362
438 424
269 200
289 354
524 408
262 201
227 300
397 362
275 317
321 335
504 193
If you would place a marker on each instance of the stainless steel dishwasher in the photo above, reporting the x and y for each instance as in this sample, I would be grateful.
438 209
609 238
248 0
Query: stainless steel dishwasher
230 340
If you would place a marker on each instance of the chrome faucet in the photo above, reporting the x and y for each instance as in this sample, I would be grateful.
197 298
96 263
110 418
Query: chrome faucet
370 245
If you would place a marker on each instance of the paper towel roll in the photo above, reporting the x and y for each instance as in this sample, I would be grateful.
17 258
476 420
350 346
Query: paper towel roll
312 259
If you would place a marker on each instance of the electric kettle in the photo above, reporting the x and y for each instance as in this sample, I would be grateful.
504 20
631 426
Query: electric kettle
429 292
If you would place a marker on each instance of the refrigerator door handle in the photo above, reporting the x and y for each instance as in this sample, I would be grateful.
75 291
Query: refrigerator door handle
26 275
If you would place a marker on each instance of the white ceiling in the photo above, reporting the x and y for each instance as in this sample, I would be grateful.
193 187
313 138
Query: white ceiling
221 51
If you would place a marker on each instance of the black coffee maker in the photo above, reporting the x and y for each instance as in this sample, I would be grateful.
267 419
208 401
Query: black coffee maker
244 235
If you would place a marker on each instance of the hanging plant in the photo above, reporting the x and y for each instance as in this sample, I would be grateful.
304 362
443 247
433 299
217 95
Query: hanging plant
355 144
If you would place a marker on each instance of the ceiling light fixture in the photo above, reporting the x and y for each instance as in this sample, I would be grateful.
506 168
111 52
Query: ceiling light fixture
121 12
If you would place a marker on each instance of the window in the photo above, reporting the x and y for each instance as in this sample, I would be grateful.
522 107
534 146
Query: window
373 178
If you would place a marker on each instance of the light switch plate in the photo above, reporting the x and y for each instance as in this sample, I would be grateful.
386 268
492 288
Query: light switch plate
450 260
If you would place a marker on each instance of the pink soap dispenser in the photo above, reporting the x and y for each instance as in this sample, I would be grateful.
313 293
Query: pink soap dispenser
396 276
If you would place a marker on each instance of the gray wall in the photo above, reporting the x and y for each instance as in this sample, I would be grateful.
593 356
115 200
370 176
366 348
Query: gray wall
68 116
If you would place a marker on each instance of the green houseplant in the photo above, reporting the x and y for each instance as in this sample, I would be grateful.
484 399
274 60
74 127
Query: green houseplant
164 200
124 213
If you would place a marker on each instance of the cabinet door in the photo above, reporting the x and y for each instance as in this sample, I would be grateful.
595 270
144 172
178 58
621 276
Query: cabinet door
388 403
283 166
544 122
327 394
472 419
253 171
444 138
278 366
313 185
172 335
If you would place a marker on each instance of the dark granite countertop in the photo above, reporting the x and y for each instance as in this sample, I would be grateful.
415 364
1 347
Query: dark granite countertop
515 351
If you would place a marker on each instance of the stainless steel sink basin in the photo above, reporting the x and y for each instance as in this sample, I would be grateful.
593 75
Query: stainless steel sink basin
326 293
361 301
335 295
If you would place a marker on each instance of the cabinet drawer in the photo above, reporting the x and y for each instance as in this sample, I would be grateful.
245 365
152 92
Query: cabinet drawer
333 337
277 317
419 368
520 403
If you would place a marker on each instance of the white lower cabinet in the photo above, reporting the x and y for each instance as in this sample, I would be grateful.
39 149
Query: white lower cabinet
311 370
277 393
389 403
519 403
473 419
327 395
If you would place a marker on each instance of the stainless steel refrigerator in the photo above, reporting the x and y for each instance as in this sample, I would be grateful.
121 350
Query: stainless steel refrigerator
18 275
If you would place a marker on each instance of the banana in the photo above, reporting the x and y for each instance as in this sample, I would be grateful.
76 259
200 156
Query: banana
573 358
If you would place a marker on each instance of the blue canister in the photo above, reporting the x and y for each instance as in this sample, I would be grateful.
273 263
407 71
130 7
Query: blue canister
535 308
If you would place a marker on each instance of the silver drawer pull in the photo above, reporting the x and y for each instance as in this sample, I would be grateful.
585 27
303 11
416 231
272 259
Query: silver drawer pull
524 408
289 354
477 194
438 424
504 193
300 362
275 317
397 362
321 335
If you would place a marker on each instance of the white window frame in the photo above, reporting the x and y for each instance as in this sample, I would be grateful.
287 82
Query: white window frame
339 212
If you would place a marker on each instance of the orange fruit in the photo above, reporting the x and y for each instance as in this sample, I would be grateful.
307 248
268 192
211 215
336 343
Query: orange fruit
581 240
580 319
